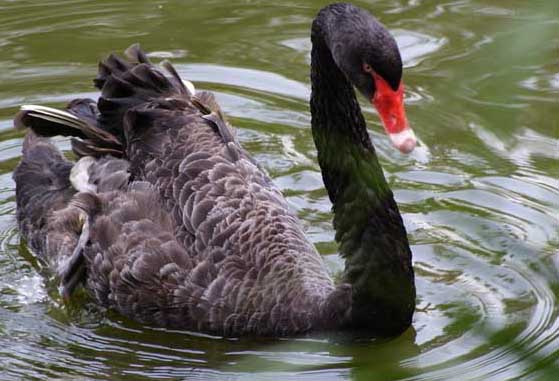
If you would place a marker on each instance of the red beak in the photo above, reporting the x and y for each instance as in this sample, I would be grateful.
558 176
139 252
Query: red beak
390 106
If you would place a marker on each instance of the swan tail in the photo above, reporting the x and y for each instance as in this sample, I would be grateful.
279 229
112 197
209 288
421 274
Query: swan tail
79 121
42 186
56 200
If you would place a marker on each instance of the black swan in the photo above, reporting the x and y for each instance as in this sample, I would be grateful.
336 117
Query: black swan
168 220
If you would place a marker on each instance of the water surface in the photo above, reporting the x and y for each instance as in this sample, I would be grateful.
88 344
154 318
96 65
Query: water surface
479 196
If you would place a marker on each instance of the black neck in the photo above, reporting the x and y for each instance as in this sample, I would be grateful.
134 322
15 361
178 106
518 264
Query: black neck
367 221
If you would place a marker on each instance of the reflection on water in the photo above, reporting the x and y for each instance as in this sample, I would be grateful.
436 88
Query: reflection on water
480 194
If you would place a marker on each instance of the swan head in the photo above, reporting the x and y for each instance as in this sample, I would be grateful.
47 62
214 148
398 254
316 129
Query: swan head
369 57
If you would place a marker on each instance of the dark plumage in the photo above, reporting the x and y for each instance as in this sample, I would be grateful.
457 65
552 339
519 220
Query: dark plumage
168 220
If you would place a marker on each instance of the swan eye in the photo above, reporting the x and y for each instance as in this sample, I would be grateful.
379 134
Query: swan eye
367 68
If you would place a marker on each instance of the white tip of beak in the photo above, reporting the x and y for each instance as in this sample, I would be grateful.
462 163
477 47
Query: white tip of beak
404 140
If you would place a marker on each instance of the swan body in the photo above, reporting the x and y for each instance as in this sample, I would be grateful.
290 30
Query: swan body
168 220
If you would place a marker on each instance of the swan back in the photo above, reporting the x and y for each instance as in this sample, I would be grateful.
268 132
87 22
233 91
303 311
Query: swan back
197 236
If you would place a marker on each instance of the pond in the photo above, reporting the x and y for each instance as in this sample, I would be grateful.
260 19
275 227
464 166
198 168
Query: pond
479 196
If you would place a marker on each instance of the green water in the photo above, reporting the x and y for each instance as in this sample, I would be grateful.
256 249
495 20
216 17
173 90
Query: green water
479 196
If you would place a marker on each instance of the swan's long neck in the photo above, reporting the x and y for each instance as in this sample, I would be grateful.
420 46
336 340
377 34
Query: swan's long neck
367 221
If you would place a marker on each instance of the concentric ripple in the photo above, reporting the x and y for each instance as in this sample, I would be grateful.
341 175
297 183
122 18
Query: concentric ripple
479 197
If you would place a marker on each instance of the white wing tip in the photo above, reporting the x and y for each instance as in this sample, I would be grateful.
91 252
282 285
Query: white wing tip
190 86
49 111
79 175
29 107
